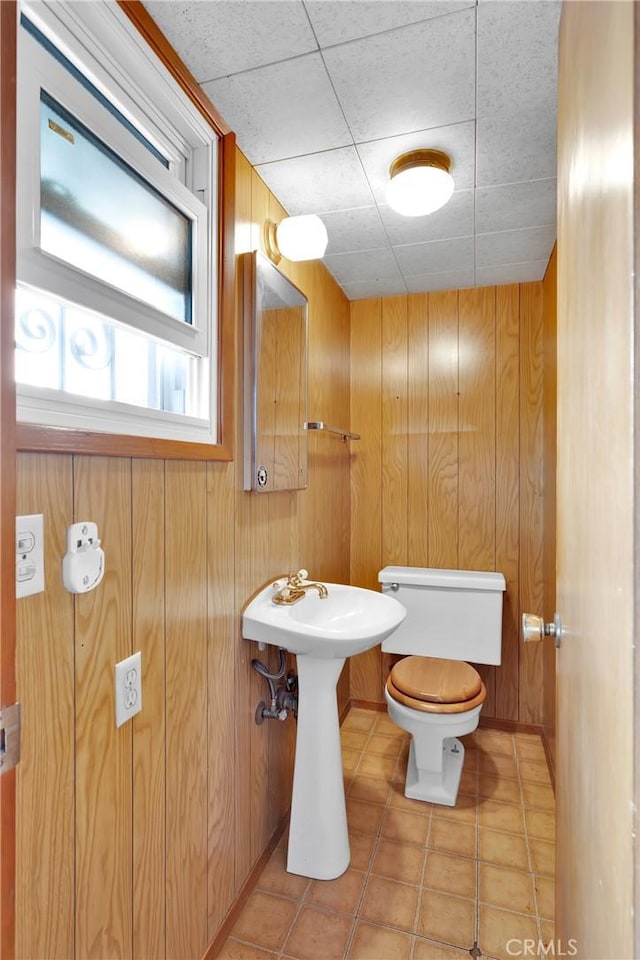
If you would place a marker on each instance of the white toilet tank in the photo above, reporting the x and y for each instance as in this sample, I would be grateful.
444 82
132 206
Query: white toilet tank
451 614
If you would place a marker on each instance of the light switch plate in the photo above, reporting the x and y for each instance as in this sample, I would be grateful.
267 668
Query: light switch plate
29 555
128 675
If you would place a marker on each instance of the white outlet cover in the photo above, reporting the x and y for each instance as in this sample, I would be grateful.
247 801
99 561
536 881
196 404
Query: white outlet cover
29 555
128 688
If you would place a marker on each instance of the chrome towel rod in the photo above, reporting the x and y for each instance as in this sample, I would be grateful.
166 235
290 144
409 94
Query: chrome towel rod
321 425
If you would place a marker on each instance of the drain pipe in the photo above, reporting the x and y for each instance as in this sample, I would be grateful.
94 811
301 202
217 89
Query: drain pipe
284 697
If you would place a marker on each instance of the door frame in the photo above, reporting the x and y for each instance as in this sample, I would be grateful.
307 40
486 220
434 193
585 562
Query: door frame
8 17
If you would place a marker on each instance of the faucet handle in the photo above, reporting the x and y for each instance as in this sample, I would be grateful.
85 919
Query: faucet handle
302 574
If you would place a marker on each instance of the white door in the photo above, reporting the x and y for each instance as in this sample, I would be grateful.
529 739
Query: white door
595 494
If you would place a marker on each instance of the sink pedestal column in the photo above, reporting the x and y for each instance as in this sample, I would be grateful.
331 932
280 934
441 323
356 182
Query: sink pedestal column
318 837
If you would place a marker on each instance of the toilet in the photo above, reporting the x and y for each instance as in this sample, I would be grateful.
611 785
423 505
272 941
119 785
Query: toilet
433 693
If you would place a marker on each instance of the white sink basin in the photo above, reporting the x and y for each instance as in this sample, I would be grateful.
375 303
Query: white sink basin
322 633
349 621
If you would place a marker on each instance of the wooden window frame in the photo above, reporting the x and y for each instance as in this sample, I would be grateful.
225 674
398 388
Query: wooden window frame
50 439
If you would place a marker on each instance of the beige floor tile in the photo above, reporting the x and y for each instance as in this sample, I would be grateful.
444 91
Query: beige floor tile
386 726
350 760
364 817
400 802
449 874
369 789
399 861
275 879
469 783
506 849
318 935
506 888
546 893
463 812
538 795
341 895
386 746
362 845
359 719
548 930
233 950
452 837
407 827
501 816
540 823
265 920
390 903
530 749
499 927
497 765
430 950
373 765
446 918
371 942
354 739
534 770
543 857
499 788
494 741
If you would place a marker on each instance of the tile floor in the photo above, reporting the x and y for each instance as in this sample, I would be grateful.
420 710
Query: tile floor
426 882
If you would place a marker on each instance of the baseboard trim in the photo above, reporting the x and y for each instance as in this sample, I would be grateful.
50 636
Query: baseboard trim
247 889
550 760
510 726
377 705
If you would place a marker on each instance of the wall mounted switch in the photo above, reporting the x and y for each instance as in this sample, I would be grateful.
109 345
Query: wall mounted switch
29 555
128 688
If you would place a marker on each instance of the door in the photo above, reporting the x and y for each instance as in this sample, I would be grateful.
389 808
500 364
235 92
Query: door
7 456
595 492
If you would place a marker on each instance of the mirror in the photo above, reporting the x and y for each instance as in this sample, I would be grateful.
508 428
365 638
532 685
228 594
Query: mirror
275 378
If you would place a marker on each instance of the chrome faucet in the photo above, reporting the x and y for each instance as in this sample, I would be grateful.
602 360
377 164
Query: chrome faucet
294 589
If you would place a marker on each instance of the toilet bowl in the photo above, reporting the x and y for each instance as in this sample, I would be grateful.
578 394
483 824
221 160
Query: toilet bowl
433 693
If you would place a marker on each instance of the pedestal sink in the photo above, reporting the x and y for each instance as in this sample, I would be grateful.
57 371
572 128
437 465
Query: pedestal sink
322 632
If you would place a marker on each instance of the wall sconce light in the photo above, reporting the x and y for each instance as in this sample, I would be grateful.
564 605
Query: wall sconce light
296 238
419 182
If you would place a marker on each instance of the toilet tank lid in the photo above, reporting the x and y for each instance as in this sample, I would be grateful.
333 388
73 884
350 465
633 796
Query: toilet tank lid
459 579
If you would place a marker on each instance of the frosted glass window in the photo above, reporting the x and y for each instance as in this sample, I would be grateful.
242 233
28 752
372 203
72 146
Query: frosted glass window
101 216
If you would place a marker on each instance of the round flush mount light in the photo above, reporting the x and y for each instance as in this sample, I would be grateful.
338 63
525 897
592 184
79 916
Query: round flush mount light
297 238
419 182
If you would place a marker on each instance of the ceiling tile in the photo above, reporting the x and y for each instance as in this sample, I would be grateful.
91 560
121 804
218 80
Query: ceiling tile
282 110
457 141
363 265
516 148
363 289
515 246
358 229
516 205
382 81
319 183
336 21
511 273
455 219
219 37
448 280
517 56
436 257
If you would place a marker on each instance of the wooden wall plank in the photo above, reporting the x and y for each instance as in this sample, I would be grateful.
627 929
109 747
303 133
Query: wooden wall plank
395 515
148 630
507 392
418 427
531 494
477 443
366 475
443 429
45 823
186 717
102 493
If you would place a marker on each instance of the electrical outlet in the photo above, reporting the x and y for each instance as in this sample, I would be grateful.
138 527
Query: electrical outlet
128 688
29 555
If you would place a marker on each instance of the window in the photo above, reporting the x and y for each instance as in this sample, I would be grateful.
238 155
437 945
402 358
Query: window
116 325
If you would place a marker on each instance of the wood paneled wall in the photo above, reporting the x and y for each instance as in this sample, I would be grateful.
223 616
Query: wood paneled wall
134 842
447 391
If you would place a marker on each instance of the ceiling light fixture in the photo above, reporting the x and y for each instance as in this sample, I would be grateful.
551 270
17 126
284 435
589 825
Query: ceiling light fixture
296 238
419 182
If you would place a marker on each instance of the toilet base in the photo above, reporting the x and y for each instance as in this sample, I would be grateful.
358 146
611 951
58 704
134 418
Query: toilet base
436 787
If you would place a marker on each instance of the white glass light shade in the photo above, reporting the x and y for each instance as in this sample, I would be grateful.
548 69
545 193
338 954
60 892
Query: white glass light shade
419 183
302 238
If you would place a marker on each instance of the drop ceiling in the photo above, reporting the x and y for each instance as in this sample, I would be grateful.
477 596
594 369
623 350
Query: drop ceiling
323 94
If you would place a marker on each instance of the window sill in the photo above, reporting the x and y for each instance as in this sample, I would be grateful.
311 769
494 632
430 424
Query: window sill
38 439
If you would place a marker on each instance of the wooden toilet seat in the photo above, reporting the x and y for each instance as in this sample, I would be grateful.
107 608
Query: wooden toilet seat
436 686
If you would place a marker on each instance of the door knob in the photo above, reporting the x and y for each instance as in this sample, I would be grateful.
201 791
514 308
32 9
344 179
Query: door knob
534 628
